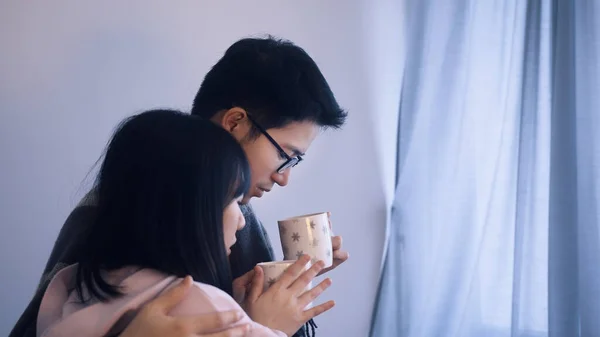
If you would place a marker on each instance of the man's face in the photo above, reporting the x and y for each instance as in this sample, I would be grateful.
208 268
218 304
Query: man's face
264 157
294 139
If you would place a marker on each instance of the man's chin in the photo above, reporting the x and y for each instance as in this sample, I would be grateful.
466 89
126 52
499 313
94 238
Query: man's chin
246 199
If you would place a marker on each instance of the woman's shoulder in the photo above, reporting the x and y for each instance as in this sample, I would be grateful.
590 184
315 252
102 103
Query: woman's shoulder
61 314
201 298
205 298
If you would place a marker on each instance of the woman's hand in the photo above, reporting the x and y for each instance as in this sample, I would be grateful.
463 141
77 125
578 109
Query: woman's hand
241 288
281 307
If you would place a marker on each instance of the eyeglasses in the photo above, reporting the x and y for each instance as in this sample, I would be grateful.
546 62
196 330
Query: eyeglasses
289 161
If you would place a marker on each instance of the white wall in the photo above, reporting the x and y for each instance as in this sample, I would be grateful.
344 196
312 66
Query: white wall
70 71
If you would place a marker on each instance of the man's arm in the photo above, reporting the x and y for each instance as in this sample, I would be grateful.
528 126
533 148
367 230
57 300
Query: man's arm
63 254
67 244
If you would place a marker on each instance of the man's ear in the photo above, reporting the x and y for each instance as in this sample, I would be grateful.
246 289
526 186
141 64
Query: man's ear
235 120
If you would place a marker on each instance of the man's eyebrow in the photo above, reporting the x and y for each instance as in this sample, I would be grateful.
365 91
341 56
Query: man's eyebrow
296 151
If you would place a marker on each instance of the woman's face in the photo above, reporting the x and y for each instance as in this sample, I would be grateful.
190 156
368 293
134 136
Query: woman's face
233 221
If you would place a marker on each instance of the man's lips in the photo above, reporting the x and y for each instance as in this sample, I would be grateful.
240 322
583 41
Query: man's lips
260 191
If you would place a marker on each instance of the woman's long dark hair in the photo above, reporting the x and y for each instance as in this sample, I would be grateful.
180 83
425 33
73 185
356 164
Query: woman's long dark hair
163 185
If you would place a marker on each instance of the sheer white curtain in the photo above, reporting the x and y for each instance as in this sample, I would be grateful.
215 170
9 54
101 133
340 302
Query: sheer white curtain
495 227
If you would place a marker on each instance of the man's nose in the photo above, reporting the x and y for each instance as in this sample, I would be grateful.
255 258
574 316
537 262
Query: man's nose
281 179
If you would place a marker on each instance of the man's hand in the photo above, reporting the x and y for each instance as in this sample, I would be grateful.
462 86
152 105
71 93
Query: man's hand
339 256
153 320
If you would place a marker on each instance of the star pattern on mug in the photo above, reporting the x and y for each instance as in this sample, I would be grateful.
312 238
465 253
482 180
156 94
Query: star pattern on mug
296 237
315 242
299 254
324 229
271 281
313 225
328 253
282 230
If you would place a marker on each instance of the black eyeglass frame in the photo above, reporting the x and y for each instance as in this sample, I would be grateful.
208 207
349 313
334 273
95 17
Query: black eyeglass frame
289 161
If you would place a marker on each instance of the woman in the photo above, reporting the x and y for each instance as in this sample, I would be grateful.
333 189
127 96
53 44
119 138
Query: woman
168 192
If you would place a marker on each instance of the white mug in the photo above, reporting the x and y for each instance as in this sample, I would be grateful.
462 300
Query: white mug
272 271
307 234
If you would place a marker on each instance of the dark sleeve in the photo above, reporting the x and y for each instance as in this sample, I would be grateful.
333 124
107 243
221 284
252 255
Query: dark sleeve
67 244
253 245
63 254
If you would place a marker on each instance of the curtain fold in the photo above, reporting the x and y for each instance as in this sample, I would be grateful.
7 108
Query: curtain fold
495 227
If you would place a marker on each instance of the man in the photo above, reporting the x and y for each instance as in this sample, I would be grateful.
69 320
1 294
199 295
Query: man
272 97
